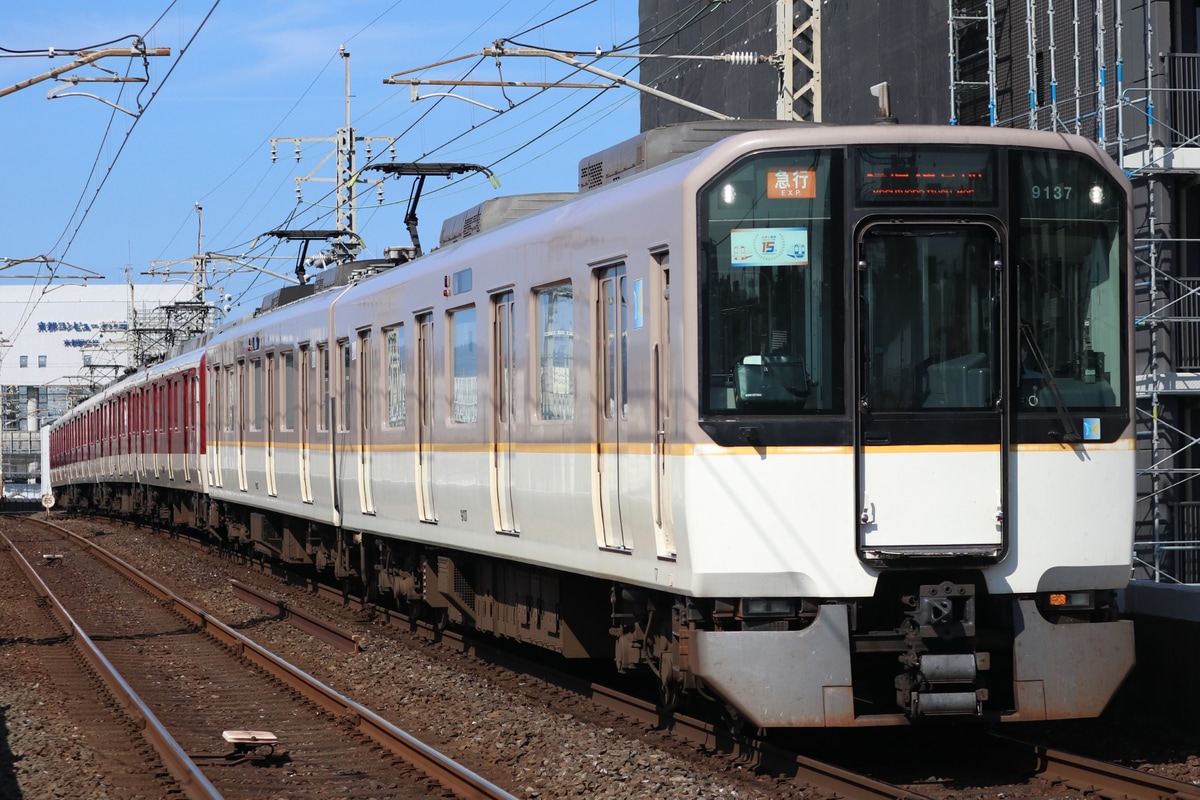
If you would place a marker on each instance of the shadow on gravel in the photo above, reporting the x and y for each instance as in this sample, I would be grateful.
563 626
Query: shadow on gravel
9 787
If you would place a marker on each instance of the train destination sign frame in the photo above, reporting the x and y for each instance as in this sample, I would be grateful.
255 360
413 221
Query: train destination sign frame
890 176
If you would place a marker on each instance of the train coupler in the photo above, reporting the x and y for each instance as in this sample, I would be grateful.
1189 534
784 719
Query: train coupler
944 683
941 670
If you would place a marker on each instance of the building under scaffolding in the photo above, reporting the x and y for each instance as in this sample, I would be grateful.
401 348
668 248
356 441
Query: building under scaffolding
1123 73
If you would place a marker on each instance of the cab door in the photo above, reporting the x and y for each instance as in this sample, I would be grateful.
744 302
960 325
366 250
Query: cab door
931 440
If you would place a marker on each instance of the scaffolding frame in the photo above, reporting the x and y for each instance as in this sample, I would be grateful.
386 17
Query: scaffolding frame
1156 149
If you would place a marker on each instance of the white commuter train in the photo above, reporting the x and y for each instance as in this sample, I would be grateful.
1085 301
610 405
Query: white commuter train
833 423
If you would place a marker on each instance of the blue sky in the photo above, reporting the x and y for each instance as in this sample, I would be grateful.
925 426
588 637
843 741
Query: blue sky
270 68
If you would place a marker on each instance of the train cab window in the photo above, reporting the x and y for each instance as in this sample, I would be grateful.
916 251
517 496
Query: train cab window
287 391
394 376
555 357
1068 243
465 389
771 288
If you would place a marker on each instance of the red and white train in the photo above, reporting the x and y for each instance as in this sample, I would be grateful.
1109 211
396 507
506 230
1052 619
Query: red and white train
832 423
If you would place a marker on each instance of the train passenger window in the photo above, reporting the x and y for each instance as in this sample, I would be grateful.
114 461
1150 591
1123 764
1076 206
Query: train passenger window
254 401
343 409
465 390
394 376
771 299
555 357
366 383
231 393
323 406
163 422
1068 242
287 379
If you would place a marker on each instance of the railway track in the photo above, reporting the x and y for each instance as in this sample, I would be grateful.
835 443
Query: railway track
1032 769
1090 777
226 717
51 667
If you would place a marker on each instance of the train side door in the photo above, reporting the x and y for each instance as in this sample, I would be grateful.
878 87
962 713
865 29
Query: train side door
366 391
931 441
612 412
194 416
186 425
303 430
269 418
240 423
425 383
215 423
172 423
503 374
660 366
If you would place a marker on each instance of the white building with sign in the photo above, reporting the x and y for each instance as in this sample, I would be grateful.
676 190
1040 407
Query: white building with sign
58 344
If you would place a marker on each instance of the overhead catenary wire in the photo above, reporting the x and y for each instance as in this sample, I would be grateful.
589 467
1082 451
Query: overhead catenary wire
35 295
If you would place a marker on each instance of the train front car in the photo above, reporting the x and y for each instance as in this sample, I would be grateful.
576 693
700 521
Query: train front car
911 490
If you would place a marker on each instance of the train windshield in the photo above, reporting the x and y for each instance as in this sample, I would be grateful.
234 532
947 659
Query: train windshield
771 278
1067 246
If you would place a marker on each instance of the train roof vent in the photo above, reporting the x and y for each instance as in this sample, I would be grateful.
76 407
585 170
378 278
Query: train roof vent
285 295
660 145
495 212
352 272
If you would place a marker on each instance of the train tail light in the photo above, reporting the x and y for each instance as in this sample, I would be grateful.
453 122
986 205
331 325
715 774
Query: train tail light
1071 601
768 607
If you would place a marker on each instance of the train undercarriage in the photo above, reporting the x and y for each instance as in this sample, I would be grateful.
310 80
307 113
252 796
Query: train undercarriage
928 644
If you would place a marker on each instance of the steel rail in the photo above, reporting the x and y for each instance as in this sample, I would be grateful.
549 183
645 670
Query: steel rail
1097 778
453 776
804 771
322 630
190 778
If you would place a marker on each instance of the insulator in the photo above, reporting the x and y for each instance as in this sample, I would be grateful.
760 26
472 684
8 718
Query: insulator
742 58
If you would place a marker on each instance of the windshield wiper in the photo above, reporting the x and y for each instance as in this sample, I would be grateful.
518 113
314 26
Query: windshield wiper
1070 432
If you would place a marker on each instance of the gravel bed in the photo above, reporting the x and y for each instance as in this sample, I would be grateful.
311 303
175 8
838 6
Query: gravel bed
482 716
46 750
489 719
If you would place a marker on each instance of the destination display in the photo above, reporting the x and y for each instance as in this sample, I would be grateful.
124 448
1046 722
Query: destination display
924 176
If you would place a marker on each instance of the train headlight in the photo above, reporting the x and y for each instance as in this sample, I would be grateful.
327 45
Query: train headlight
768 607
1071 601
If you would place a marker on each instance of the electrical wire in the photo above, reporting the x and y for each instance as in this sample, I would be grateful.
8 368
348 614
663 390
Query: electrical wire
52 271
698 11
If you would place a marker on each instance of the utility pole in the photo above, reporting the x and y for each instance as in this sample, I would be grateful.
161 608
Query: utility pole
4 344
345 141
798 59
199 262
